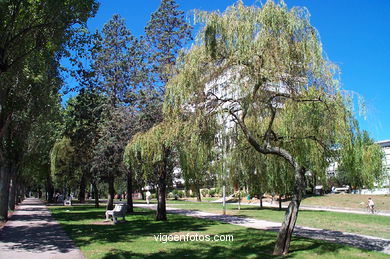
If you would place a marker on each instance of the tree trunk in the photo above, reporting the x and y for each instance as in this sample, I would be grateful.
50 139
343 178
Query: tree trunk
111 193
17 194
4 192
282 244
12 192
161 195
129 191
49 189
162 187
280 202
83 186
261 200
95 194
239 200
198 194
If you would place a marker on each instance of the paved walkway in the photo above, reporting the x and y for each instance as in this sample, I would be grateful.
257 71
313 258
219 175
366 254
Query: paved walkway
316 208
33 233
360 241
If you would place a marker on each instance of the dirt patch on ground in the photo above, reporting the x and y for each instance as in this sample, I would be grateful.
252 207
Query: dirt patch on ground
102 223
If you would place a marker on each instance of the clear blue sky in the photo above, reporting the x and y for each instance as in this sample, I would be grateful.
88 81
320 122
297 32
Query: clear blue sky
355 35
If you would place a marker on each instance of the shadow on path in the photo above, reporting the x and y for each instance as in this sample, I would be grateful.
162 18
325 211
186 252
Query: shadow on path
33 233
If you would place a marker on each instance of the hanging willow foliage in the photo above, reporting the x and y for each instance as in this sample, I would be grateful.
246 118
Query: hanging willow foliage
61 158
146 149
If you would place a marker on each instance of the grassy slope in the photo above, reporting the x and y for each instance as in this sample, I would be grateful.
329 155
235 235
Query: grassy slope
353 201
372 225
134 239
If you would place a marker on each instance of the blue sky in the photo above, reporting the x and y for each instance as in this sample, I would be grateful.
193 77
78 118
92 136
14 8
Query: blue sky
355 35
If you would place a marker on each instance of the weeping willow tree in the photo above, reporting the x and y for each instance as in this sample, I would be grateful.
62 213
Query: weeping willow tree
263 68
62 163
360 160
150 155
196 152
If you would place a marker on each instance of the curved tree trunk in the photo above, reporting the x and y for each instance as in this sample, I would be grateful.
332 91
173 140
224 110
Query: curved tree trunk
129 191
111 193
282 244
4 192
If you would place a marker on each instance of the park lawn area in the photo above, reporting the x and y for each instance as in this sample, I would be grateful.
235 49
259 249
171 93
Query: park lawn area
134 238
352 201
365 224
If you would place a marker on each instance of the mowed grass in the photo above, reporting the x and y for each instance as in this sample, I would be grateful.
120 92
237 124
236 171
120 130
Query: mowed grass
366 224
135 238
352 201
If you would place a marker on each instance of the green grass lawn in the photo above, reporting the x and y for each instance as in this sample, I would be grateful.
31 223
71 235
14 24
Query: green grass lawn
134 238
372 225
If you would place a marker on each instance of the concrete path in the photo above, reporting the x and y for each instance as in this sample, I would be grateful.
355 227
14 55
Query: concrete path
33 233
360 241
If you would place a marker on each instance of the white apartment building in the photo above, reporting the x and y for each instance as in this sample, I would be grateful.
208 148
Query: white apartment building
385 144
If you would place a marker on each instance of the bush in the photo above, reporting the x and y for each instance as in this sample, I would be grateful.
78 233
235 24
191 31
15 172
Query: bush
205 192
177 193
212 192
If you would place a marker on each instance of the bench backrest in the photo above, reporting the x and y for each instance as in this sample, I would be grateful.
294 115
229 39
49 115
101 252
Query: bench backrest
120 208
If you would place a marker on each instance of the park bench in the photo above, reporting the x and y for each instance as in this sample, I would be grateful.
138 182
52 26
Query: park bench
118 211
67 202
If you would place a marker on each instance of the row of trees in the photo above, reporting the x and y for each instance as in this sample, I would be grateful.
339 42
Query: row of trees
121 83
34 36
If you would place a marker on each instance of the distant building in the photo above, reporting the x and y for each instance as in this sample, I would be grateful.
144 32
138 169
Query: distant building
332 170
385 144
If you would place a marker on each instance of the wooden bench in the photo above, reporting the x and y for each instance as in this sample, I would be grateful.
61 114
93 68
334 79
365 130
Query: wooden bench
118 211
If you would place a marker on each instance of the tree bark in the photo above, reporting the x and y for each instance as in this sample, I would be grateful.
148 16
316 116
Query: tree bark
12 192
280 202
129 191
161 195
82 187
4 192
162 187
49 189
282 244
261 200
198 194
95 194
111 193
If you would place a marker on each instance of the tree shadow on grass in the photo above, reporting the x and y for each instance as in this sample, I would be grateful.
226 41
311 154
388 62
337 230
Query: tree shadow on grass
138 224
247 243
141 224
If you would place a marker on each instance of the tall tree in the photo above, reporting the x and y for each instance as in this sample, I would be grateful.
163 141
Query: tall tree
264 69
166 33
118 72
83 115
151 153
